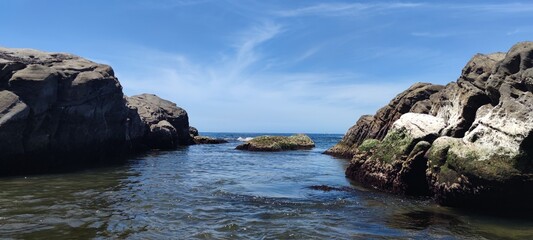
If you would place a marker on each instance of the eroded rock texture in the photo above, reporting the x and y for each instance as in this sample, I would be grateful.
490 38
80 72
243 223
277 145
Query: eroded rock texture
415 99
59 109
167 124
473 145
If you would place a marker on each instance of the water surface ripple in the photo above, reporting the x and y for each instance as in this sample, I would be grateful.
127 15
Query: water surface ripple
214 191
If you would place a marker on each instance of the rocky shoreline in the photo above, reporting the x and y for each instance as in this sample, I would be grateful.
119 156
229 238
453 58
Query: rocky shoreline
466 144
59 110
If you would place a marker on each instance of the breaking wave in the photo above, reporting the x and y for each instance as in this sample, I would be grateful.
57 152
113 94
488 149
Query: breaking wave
244 139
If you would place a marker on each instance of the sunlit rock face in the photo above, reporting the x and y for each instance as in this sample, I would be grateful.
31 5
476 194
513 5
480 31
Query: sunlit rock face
474 142
415 99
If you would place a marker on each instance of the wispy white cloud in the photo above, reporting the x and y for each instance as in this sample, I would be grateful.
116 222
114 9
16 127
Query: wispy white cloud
446 33
216 92
354 9
343 9
519 30
433 34
246 45
307 54
169 4
499 8
301 102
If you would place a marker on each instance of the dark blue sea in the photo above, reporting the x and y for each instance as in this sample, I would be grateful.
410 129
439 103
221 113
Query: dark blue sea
217 192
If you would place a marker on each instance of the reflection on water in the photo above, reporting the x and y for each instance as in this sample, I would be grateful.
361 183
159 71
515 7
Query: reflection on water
64 205
420 220
214 191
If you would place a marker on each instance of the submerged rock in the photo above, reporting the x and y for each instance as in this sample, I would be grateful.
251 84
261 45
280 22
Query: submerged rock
59 110
278 143
326 188
472 147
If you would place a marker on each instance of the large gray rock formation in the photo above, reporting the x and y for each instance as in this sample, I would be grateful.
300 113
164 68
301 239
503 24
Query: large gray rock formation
415 99
59 109
168 124
474 145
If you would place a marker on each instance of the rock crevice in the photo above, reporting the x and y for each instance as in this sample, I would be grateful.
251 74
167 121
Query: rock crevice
59 110
415 99
473 144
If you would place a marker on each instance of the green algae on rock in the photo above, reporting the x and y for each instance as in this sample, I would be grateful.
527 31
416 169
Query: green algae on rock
471 147
278 143
416 99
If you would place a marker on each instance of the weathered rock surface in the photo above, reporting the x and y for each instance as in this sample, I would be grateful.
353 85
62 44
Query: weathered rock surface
415 99
167 124
397 163
197 139
278 143
193 131
58 110
492 163
472 147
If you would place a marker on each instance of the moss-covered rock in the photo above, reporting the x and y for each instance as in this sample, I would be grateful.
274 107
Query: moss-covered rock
415 99
368 145
278 143
476 138
397 163
462 173
396 143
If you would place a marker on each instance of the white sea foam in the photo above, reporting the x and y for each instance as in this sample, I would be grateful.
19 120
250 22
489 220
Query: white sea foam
244 139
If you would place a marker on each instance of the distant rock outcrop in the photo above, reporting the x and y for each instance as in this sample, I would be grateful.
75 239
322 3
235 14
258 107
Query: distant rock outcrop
193 131
278 143
197 139
167 125
59 109
208 140
473 146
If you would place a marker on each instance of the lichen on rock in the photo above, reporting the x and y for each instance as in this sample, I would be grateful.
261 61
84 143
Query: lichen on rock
415 99
475 139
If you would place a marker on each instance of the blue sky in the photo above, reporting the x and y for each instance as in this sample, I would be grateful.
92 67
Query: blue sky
271 66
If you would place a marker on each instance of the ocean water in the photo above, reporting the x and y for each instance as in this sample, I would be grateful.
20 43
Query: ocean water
217 192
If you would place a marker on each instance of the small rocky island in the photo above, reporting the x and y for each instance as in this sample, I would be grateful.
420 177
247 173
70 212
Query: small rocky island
467 144
208 140
59 110
278 143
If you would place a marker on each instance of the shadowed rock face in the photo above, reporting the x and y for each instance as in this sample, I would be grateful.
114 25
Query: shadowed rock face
278 143
59 109
415 99
472 148
193 131
168 124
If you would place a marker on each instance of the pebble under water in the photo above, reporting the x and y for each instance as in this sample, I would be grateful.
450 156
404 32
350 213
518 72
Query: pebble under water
215 191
